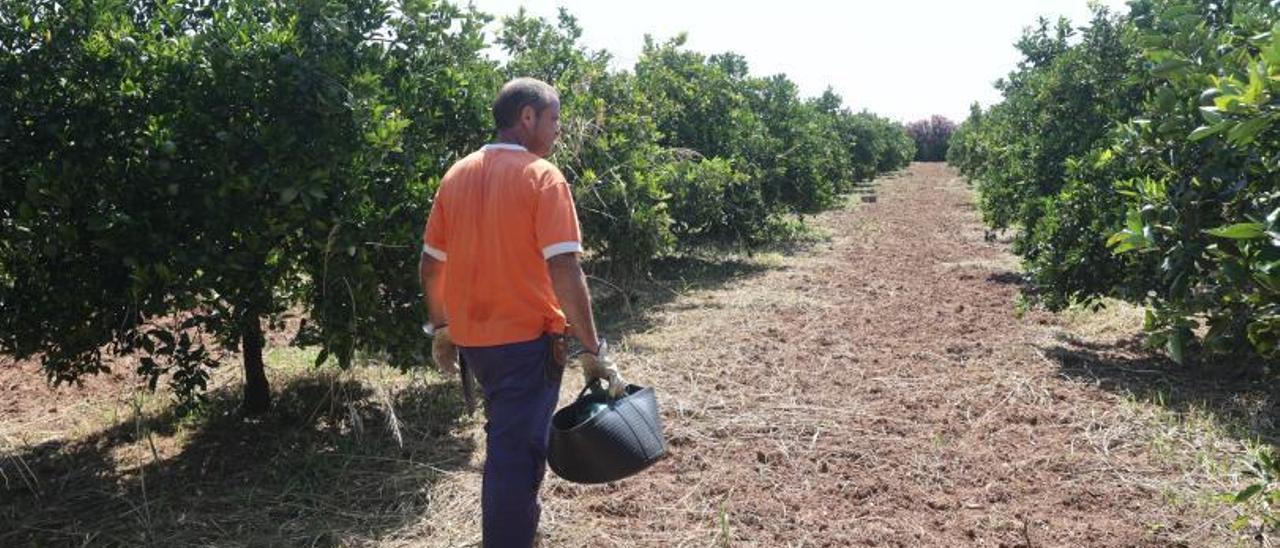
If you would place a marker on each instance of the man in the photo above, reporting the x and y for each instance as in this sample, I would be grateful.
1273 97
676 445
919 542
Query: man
501 279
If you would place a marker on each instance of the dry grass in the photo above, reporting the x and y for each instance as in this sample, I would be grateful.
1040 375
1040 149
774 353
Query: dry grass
1196 424
344 459
1116 320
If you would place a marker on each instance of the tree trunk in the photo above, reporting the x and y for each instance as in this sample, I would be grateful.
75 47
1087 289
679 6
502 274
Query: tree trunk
257 394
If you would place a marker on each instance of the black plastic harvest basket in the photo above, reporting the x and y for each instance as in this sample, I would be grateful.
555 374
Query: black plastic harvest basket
622 439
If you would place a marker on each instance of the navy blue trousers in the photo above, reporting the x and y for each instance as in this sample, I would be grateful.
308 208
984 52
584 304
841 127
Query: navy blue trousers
521 382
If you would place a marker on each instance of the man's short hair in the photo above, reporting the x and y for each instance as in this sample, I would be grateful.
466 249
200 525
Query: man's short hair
519 93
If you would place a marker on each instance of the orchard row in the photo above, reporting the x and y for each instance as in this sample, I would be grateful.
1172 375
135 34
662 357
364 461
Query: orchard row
174 173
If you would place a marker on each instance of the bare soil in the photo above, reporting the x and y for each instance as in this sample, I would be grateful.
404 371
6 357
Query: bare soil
878 389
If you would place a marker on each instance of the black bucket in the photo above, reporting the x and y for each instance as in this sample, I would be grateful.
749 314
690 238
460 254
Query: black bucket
620 440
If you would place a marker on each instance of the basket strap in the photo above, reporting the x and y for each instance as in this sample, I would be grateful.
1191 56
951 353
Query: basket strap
587 388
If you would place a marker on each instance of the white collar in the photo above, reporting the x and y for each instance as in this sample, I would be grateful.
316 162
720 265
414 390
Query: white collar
504 146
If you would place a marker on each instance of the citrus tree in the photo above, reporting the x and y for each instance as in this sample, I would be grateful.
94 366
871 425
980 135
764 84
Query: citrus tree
1139 163
177 174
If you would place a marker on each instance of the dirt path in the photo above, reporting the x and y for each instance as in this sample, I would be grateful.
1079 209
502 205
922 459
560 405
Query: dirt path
876 391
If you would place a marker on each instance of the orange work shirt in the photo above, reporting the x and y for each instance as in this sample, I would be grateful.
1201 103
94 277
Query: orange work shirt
499 214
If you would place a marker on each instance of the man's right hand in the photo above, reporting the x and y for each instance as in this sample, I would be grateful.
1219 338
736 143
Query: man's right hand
599 365
444 352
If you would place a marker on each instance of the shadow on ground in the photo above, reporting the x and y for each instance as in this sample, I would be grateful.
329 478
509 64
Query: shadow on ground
1238 393
322 469
623 308
1008 278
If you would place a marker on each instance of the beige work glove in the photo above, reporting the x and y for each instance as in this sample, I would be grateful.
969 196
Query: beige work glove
444 352
600 366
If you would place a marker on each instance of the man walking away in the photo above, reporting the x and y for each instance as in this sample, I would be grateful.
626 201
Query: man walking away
502 281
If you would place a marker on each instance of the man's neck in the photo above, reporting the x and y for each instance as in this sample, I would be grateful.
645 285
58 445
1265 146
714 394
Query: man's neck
510 139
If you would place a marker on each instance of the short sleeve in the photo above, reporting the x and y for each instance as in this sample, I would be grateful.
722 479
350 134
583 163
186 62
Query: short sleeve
435 235
557 221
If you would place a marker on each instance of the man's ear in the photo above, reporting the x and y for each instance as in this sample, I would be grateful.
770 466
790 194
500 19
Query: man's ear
529 115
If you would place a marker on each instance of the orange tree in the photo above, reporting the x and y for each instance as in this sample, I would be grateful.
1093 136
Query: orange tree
1140 163
177 173
1206 206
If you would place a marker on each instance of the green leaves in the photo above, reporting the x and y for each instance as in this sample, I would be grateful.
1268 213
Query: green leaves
1246 132
1171 67
287 194
1247 493
1256 93
1177 345
1271 49
1135 236
1204 132
1260 499
388 126
1239 231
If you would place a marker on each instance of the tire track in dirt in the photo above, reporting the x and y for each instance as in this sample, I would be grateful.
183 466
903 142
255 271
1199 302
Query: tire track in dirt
877 390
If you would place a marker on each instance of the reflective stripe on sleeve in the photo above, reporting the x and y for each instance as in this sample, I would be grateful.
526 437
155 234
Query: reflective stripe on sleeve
561 248
435 253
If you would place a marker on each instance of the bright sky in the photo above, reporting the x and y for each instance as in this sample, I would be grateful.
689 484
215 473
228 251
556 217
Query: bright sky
906 59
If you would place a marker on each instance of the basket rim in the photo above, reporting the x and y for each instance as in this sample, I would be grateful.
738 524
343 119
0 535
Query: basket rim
596 417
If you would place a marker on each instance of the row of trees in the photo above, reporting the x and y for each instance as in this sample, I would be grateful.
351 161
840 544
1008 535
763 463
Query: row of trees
1139 159
175 174
689 149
